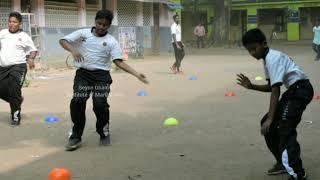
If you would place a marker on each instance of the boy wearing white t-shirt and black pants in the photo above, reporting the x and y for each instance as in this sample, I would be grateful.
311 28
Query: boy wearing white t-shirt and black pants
16 50
177 44
94 50
279 125
316 40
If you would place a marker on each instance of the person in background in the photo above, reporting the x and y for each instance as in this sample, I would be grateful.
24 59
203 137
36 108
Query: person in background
177 44
316 40
200 33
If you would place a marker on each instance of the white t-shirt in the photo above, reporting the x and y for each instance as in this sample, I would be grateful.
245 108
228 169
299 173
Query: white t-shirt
316 38
98 52
199 31
176 29
14 47
280 68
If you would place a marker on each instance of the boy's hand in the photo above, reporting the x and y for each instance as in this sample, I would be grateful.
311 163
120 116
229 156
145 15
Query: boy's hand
244 81
265 126
77 56
142 78
178 46
31 63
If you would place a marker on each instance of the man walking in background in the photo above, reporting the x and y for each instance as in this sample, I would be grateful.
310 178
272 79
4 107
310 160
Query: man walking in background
177 45
200 33
316 40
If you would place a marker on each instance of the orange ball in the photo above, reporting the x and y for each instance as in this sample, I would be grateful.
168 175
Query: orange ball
59 174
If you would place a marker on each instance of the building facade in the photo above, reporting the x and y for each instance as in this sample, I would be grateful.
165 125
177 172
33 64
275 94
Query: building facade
137 24
289 20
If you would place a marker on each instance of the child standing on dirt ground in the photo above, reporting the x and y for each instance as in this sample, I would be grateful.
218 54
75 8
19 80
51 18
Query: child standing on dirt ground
177 44
95 51
316 40
279 125
16 51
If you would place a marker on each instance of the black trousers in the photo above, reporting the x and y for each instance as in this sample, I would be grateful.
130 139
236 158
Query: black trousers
179 54
11 81
282 136
316 49
98 84
200 41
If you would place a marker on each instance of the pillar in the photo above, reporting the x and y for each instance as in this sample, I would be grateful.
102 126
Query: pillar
82 13
38 9
16 5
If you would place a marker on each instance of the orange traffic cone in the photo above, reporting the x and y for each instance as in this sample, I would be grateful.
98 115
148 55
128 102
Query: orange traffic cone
316 97
59 174
230 94
125 54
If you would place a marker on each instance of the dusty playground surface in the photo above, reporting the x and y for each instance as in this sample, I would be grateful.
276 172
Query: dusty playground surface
217 139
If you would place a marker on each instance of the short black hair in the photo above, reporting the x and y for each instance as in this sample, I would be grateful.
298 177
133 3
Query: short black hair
253 36
105 14
174 16
16 15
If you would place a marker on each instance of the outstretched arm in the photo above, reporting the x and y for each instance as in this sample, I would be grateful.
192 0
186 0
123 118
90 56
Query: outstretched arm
245 82
124 66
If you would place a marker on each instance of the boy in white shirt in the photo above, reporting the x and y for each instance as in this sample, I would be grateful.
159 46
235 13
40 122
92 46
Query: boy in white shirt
316 40
16 51
177 44
279 125
94 50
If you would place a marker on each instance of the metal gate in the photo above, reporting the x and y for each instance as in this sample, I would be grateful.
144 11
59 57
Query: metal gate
5 9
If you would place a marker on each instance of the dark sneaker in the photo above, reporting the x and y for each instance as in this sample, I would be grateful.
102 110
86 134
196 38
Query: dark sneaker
304 177
73 144
15 118
105 141
104 136
277 169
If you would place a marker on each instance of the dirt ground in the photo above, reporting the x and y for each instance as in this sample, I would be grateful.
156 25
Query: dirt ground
217 139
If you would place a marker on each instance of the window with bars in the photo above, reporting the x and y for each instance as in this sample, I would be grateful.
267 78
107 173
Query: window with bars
91 10
147 14
127 13
61 14
26 6
5 8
